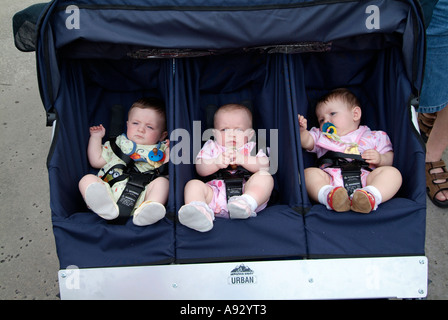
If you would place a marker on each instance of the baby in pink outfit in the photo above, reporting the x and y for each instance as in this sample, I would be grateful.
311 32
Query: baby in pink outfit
211 150
363 137
231 148
342 109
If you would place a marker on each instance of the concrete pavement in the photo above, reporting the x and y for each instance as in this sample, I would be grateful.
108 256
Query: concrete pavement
28 260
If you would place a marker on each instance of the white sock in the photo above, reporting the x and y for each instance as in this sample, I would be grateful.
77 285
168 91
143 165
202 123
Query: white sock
375 193
251 201
322 196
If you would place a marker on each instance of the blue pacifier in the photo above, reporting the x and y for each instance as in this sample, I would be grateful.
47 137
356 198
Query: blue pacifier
156 154
329 128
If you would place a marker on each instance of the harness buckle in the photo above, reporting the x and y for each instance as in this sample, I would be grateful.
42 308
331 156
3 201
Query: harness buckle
234 187
352 180
134 187
350 170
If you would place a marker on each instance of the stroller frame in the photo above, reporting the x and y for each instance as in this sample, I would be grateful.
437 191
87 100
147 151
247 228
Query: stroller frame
316 265
309 279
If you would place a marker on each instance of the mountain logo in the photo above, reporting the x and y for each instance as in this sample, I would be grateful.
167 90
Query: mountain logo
242 275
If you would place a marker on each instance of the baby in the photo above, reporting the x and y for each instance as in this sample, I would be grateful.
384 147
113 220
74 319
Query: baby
342 109
144 144
230 148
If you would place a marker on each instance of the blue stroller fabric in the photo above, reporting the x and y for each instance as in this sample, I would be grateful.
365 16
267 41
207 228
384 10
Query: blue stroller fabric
280 56
84 239
379 233
277 231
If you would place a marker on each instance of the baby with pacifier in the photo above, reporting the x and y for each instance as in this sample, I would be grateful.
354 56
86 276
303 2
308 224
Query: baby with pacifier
339 116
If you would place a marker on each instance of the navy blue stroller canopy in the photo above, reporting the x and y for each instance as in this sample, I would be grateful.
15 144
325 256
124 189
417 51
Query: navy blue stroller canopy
279 56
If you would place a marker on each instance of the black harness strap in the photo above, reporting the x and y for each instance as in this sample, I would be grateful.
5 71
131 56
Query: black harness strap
350 170
134 187
233 179
137 182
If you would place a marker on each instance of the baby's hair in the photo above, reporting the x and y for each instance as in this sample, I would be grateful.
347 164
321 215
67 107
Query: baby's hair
151 103
342 94
232 107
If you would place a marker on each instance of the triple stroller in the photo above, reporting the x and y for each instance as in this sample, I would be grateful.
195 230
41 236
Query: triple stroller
96 57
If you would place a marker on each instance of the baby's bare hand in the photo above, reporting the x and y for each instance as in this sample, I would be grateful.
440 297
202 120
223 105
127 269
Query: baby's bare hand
372 156
223 160
98 131
236 156
303 123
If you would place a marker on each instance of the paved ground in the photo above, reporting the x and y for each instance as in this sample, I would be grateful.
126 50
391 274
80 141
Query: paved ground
28 261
